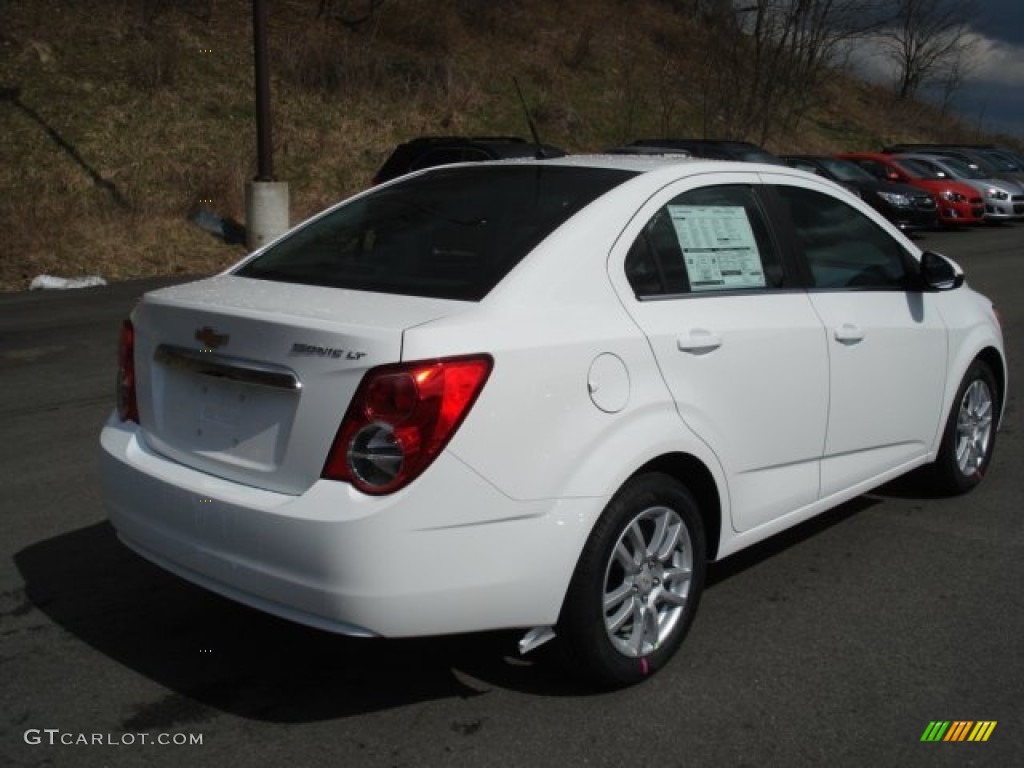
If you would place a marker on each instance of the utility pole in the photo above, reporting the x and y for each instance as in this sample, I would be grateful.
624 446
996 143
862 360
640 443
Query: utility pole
266 199
264 147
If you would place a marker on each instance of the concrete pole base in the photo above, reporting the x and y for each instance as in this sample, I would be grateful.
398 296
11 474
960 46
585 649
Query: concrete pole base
266 212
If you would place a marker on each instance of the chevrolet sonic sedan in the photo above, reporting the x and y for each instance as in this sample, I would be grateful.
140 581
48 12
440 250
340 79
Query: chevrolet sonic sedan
541 395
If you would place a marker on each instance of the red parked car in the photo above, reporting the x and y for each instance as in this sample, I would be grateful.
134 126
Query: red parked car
958 203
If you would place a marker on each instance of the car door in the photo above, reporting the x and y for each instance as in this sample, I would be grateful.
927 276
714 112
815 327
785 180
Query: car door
886 339
741 350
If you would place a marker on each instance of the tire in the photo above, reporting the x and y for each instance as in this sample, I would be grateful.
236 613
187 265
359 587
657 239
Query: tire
969 438
637 584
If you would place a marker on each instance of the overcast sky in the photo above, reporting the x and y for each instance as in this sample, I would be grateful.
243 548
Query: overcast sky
992 95
995 90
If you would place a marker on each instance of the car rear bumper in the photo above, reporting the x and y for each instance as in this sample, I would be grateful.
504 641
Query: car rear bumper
336 559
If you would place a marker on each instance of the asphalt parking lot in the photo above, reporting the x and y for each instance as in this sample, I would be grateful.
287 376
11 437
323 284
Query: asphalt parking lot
837 643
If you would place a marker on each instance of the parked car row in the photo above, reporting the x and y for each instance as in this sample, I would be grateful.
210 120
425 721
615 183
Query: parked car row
988 159
963 195
910 208
917 187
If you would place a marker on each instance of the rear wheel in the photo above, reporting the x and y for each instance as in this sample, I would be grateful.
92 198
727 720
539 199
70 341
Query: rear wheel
969 437
637 584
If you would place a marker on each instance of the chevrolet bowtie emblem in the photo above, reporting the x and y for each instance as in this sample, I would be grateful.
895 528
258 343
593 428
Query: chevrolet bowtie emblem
210 339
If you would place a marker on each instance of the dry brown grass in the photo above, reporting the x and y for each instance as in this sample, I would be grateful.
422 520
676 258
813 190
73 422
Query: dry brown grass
152 102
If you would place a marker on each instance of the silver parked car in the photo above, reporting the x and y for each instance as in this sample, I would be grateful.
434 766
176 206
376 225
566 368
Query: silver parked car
1004 199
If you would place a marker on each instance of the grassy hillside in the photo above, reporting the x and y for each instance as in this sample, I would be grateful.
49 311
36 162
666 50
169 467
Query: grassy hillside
118 116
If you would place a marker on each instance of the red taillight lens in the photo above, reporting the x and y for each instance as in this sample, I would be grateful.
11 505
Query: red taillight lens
127 404
401 418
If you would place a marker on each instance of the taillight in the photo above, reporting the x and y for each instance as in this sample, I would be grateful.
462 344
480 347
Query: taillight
127 404
401 418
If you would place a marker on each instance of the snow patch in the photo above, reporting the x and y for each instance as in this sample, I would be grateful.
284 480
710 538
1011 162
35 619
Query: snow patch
51 283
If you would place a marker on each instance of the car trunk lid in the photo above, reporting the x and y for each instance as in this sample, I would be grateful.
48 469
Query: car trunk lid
249 379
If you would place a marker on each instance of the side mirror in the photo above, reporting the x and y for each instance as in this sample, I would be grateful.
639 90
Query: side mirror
939 273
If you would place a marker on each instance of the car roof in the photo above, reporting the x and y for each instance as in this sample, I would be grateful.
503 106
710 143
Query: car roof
892 149
670 166
885 156
643 163
817 158
725 147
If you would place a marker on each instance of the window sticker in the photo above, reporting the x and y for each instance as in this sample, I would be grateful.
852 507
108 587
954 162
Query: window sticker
718 246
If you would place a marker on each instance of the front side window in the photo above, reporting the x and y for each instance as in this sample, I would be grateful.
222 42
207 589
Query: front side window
453 233
843 248
706 240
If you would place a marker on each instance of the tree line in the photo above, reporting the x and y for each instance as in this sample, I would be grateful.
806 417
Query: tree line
766 60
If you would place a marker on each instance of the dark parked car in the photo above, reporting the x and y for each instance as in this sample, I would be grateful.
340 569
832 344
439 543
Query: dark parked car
714 149
429 151
909 208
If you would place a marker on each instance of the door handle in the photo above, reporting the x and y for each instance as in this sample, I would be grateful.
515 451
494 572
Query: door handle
699 341
848 333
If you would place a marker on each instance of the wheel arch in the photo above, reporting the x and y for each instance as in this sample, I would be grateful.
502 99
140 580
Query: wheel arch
700 482
994 360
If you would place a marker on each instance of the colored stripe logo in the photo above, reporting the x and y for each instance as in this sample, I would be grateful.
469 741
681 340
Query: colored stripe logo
958 730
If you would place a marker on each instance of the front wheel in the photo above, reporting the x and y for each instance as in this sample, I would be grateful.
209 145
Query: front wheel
970 434
637 584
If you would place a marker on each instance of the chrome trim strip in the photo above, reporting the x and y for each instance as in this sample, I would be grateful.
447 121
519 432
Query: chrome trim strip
223 367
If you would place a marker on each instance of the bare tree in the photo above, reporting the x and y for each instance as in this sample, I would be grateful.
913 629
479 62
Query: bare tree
928 41
953 76
767 59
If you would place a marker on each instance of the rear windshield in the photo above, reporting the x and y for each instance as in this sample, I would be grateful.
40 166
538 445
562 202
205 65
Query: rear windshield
453 233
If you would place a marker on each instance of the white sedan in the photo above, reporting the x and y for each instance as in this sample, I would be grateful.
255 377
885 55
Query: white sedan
541 395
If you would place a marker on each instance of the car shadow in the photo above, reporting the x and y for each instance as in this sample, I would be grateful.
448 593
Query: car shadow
780 542
214 655
913 485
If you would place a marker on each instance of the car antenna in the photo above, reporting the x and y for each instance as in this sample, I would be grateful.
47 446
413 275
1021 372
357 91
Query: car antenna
529 120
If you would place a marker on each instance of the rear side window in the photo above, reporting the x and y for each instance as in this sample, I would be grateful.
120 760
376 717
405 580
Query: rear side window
706 240
453 233
873 167
843 247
